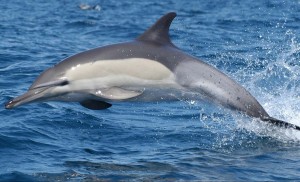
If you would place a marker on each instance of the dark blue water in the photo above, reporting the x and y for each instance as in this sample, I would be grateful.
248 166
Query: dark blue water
255 42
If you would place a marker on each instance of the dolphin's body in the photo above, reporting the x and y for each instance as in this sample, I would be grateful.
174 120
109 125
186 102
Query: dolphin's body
150 68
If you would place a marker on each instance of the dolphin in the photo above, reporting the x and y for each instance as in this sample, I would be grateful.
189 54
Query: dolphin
149 68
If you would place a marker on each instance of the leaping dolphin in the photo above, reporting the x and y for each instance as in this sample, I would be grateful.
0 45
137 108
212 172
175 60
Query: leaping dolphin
149 68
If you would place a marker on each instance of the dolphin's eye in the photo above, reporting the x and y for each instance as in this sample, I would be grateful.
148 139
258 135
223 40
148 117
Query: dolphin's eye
66 82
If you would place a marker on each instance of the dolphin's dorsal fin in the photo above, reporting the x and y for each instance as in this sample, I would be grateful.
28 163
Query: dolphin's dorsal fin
159 32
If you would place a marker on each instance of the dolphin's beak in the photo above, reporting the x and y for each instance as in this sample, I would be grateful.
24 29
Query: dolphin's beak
30 96
38 92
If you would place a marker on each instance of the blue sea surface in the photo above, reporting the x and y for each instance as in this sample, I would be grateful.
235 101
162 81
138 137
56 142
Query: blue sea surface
256 43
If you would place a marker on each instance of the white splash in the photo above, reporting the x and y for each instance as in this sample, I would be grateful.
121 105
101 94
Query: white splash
281 95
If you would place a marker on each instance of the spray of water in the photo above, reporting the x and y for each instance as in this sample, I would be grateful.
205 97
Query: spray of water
277 87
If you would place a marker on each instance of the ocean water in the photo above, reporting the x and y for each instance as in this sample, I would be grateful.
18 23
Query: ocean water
257 43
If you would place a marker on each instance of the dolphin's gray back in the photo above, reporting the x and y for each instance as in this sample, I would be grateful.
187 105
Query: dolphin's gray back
169 56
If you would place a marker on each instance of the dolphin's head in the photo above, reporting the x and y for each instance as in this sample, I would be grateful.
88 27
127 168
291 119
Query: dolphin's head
41 89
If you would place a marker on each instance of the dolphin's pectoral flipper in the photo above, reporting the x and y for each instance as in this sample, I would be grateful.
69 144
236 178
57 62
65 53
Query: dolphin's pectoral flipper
113 93
95 104
116 93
